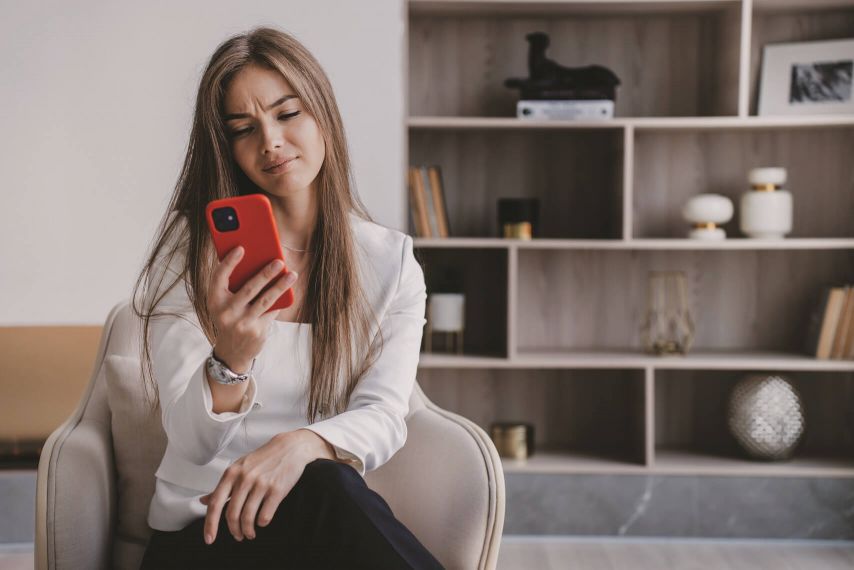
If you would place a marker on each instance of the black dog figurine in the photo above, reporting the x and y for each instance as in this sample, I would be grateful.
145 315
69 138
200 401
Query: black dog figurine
550 80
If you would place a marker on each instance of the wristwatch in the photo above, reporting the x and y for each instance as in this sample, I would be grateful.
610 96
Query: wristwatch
225 375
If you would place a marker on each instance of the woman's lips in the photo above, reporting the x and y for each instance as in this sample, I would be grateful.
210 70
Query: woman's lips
283 167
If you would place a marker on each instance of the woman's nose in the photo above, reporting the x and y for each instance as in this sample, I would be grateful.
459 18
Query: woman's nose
272 136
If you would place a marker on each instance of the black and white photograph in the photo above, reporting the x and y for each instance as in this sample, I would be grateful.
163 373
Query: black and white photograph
821 82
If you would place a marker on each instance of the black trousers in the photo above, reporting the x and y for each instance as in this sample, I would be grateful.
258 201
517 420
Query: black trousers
330 519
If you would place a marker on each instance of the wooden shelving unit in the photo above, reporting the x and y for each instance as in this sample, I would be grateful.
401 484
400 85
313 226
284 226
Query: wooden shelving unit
553 323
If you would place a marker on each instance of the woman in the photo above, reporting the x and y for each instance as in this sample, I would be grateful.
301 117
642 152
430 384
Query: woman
273 417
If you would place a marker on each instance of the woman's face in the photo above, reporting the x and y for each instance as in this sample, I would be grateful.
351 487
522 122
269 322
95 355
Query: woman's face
267 125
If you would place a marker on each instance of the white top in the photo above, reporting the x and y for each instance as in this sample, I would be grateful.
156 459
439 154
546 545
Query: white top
202 444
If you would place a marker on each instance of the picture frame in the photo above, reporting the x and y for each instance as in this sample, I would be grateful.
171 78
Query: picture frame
807 78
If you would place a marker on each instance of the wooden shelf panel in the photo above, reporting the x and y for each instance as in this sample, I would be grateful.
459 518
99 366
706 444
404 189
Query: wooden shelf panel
638 244
615 359
688 462
564 461
436 360
638 123
782 5
678 462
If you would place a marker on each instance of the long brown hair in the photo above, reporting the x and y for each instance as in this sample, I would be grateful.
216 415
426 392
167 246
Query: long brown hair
335 302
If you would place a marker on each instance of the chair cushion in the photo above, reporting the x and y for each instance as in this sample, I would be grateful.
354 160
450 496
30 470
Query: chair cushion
139 443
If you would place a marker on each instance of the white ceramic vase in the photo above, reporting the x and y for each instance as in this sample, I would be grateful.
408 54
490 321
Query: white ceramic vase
766 211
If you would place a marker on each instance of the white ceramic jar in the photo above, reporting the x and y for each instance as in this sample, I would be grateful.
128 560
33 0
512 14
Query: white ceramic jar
766 211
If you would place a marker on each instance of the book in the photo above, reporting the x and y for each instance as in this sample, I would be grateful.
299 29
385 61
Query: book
843 326
815 322
847 342
829 322
417 203
429 201
582 110
435 174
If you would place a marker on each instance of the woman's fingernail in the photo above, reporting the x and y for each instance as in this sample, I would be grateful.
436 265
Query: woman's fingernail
277 265
208 539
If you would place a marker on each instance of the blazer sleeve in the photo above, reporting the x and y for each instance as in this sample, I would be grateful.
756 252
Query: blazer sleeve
179 350
373 427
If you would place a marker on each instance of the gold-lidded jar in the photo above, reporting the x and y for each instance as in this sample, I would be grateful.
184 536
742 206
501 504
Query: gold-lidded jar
513 440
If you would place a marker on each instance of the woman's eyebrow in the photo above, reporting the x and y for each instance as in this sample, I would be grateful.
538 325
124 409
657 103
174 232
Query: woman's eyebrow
278 102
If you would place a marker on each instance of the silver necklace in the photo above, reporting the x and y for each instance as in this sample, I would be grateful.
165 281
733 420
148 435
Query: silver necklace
286 246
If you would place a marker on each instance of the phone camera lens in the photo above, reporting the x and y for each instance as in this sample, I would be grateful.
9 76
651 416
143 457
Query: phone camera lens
225 219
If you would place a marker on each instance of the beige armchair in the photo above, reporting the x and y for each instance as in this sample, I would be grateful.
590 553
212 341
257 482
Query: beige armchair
96 473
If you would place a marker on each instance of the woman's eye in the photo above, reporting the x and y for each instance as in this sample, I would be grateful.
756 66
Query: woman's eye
284 116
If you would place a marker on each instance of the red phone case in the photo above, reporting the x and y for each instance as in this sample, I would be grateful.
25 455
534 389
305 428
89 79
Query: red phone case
259 236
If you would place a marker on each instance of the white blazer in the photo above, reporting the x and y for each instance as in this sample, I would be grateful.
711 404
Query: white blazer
202 444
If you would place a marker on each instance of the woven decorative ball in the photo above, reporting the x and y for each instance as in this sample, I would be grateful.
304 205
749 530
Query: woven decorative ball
766 416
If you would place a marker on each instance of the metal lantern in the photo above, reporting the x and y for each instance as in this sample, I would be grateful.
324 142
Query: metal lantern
766 416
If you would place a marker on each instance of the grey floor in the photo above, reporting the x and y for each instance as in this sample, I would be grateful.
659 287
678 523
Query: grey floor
545 553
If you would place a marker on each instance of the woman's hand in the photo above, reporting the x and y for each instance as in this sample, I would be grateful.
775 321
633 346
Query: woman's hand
266 475
243 325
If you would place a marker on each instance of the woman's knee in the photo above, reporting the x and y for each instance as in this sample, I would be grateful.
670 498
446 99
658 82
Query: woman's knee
328 475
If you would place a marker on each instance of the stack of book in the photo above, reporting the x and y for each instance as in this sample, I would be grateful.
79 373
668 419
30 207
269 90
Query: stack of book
564 110
830 333
427 202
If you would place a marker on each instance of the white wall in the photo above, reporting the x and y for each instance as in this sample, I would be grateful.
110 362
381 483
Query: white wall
97 100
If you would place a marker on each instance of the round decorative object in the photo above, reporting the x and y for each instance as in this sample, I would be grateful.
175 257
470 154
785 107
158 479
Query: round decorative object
766 416
706 212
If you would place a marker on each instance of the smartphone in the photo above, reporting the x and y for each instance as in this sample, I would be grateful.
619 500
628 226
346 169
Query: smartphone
248 221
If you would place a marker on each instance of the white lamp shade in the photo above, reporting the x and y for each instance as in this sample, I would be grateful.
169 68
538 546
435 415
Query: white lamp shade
447 311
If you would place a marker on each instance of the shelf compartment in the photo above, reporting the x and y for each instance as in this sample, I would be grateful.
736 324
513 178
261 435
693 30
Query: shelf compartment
746 301
482 277
584 420
785 21
691 433
576 175
561 461
689 163
689 50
